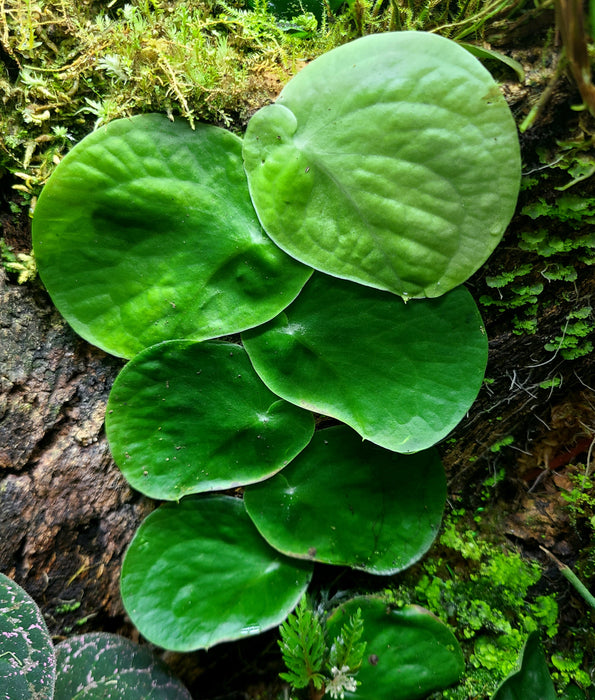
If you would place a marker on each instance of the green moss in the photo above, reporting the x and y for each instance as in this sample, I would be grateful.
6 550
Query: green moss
72 66
569 668
573 341
78 65
484 591
505 277
497 446
559 243
550 383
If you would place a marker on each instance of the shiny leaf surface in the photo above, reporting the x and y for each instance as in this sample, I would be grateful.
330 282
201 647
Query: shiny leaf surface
401 375
145 232
409 654
187 417
392 161
198 573
348 502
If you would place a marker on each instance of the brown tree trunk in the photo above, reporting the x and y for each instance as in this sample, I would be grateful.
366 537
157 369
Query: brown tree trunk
66 512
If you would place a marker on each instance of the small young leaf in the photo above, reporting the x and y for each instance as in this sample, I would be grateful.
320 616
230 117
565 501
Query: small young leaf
347 650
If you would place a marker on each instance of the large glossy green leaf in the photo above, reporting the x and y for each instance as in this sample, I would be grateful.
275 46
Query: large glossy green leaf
145 232
392 161
532 681
101 666
198 573
409 653
186 417
402 375
27 659
344 501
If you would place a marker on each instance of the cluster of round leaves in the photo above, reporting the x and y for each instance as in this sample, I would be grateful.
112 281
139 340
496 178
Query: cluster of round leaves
386 172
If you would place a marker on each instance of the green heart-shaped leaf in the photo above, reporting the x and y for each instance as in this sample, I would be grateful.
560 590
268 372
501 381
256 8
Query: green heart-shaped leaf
402 375
409 652
392 161
145 232
97 666
344 501
198 573
187 417
27 659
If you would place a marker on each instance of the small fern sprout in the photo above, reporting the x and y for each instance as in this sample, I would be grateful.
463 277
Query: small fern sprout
306 651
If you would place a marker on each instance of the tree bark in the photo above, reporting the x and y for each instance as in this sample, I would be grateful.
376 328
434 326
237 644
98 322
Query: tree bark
66 512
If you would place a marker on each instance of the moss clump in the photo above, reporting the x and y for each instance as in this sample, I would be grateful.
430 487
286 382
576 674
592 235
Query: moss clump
555 249
484 591
72 66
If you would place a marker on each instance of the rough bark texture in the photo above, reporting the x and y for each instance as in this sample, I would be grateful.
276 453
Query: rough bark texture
515 404
66 513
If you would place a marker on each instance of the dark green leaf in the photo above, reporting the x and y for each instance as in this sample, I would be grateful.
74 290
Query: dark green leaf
532 681
409 652
197 573
100 666
348 502
27 660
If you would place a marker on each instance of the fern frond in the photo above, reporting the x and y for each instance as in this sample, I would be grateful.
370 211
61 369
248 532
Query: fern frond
347 650
303 647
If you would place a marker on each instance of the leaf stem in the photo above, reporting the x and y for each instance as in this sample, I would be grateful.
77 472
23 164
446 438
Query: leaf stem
567 572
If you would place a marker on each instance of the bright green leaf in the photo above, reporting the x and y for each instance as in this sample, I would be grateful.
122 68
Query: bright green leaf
348 502
197 573
402 375
409 652
187 417
303 647
392 161
146 232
